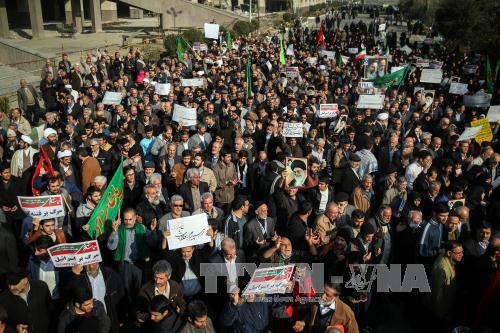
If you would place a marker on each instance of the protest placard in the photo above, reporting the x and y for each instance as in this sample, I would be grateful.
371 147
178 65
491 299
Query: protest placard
428 96
312 60
270 280
485 134
366 88
188 231
376 67
469 133
452 204
289 50
197 82
469 69
329 54
211 30
417 89
406 49
71 254
479 100
292 130
292 72
296 171
197 46
328 110
381 27
112 98
423 63
429 75
162 89
42 207
353 50
370 102
434 64
185 115
494 113
458 88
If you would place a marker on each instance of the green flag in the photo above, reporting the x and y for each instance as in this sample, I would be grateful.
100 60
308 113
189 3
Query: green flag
282 52
182 47
108 207
228 41
392 79
490 81
248 75
386 54
340 61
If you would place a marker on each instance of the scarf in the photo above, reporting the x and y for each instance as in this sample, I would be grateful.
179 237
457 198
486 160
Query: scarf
140 238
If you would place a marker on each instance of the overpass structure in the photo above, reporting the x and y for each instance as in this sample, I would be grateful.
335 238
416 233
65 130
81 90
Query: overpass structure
173 13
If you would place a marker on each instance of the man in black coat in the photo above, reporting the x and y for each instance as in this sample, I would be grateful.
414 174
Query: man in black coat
28 303
8 251
350 179
113 287
192 190
10 188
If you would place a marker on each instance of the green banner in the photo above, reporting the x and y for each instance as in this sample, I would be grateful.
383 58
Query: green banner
109 206
392 79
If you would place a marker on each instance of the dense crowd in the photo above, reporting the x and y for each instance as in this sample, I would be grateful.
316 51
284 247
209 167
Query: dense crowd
394 185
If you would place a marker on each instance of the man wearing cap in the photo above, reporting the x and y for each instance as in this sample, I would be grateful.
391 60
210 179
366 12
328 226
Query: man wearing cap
23 157
351 178
28 302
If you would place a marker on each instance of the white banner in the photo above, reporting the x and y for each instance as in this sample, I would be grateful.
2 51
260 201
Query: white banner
479 100
42 207
329 54
469 69
431 75
353 50
458 88
162 89
469 133
211 31
71 254
188 231
197 82
494 113
371 102
187 116
381 27
112 98
292 130
328 110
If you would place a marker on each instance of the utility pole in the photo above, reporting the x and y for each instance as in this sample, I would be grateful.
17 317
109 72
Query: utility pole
250 11
174 13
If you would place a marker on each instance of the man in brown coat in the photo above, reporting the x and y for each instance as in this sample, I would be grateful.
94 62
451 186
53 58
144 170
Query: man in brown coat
330 311
225 174
90 168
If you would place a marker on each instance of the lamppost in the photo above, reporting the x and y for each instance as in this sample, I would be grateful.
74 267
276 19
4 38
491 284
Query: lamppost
174 13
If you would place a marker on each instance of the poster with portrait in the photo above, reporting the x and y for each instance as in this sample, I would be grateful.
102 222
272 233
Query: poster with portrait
375 67
428 96
296 171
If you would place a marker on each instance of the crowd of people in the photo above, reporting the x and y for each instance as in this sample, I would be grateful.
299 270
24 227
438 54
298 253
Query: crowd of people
394 185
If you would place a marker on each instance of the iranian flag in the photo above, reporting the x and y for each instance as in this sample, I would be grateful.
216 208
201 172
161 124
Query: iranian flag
360 55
